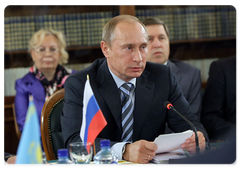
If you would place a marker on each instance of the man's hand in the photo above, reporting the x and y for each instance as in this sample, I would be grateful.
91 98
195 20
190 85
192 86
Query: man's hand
190 144
140 151
11 160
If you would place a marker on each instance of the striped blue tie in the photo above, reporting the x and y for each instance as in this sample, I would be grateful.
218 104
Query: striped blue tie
127 111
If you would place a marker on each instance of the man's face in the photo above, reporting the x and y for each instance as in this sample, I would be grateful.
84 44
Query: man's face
158 48
127 55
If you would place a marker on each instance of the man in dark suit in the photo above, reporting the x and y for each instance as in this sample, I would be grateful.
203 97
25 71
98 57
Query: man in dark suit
219 100
124 45
187 76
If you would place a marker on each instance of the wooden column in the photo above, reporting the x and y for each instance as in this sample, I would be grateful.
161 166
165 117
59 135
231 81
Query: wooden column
127 9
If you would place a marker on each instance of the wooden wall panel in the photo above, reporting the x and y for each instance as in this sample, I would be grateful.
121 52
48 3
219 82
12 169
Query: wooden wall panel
10 138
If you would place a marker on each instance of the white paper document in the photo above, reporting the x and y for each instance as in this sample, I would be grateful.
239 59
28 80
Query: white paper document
172 141
163 158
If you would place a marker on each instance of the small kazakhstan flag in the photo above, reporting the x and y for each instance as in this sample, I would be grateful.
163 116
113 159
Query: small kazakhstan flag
29 148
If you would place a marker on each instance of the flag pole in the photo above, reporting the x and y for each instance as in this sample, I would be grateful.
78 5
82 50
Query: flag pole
94 148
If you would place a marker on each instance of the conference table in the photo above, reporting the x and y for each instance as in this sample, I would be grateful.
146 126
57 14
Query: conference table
164 158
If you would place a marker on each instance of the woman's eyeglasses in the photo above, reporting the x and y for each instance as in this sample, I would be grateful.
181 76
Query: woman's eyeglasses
43 51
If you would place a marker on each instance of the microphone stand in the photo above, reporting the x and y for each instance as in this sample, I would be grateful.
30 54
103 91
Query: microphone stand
193 127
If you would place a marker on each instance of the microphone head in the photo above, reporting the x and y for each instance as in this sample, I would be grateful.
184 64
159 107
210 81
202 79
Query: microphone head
168 105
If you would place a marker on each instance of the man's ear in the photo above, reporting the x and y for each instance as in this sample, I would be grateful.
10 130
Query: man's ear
105 48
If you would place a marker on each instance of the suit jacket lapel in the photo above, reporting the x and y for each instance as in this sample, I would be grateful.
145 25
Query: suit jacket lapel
175 70
142 102
109 92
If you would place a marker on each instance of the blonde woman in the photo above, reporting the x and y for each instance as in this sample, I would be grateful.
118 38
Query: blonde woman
47 75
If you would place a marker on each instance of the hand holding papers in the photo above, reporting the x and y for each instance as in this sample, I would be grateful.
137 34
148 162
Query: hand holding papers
169 146
173 141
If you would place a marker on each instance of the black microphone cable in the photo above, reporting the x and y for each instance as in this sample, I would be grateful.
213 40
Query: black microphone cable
169 106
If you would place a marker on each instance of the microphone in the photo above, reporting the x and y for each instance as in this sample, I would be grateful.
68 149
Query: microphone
169 106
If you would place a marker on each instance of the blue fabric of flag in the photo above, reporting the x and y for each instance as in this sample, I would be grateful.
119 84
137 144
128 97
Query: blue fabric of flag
29 148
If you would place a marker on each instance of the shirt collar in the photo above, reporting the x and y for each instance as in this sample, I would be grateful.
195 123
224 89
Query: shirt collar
165 62
119 81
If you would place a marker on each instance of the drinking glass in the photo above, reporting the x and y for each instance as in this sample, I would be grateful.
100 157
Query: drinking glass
80 152
44 159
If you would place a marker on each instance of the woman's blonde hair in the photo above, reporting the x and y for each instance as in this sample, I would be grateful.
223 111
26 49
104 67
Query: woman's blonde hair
38 37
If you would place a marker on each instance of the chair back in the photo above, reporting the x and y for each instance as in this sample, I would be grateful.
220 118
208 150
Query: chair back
51 130
18 133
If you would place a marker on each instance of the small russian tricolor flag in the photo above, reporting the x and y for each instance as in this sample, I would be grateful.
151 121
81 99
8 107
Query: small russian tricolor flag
93 120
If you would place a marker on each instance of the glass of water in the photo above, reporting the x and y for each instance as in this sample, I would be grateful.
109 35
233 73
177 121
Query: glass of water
44 159
80 152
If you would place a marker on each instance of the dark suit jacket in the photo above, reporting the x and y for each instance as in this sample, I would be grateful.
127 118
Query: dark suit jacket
153 88
219 100
189 80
